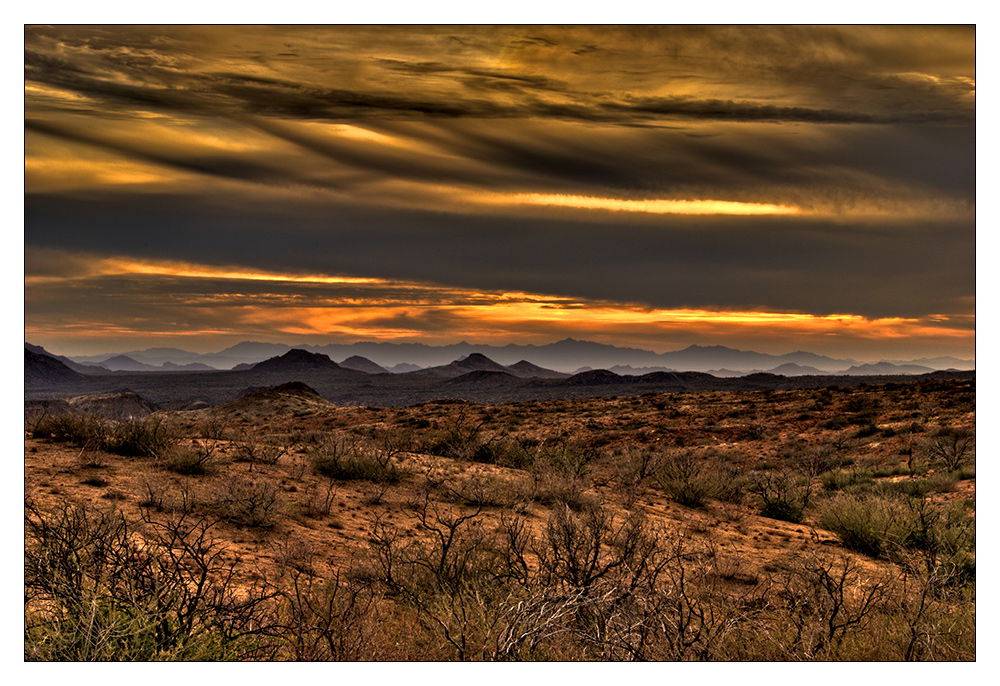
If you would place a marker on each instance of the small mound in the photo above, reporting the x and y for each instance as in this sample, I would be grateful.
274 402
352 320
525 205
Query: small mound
119 405
594 377
288 398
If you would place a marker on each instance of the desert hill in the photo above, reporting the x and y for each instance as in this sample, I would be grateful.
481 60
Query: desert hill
120 404
362 364
476 362
526 369
290 398
296 360
885 368
43 370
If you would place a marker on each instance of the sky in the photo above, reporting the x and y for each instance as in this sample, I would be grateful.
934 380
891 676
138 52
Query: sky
774 188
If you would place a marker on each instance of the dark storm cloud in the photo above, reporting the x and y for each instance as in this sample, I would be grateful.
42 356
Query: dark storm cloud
220 166
698 262
157 82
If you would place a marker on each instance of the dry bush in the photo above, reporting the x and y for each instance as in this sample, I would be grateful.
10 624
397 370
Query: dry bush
826 600
781 496
482 489
193 460
97 590
328 620
347 458
320 497
257 449
951 446
250 501
692 480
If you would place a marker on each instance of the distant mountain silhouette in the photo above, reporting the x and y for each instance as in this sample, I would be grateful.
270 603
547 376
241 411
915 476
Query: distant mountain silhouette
403 368
75 366
475 378
528 370
476 362
792 369
564 356
724 373
45 370
629 370
362 364
189 367
124 363
885 368
296 360
594 377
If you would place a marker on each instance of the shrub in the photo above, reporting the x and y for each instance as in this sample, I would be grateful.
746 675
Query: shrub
194 460
689 480
936 483
561 474
781 496
69 428
884 525
348 459
251 501
261 450
951 446
147 437
837 479
94 590
868 523
835 423
484 489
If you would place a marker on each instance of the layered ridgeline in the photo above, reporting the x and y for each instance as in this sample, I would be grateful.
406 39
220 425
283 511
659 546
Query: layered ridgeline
475 377
567 356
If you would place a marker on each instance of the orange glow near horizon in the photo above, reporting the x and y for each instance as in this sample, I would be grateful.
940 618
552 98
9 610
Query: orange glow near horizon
396 310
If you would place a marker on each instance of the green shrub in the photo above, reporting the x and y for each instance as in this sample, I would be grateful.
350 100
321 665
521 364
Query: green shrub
836 479
885 524
935 483
692 481
868 523
835 423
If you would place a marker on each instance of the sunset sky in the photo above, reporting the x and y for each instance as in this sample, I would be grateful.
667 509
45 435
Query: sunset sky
768 188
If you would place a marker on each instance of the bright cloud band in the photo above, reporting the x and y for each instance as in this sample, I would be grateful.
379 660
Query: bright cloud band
274 304
653 206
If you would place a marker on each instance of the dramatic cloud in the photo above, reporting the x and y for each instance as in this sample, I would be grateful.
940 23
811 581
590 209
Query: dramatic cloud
816 184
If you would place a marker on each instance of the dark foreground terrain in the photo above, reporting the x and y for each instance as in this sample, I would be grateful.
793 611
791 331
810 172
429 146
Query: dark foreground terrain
831 523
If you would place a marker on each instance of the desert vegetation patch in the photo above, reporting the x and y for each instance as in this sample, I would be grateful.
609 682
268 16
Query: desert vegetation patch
822 524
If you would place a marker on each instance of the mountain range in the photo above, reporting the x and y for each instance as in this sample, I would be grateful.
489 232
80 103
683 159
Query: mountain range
567 356
475 378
